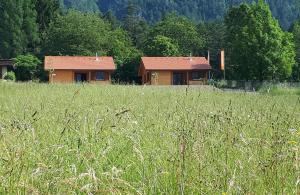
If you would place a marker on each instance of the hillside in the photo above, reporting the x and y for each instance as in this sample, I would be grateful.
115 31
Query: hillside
152 10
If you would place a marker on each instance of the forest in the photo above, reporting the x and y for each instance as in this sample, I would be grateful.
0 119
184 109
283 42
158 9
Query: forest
31 29
286 11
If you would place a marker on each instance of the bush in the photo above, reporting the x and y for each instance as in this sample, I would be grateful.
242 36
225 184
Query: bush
10 76
218 84
26 67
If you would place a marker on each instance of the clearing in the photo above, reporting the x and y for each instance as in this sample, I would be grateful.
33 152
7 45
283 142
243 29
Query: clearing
64 139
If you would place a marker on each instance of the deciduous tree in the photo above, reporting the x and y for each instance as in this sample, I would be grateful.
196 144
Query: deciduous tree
77 34
26 67
181 30
257 48
161 46
296 33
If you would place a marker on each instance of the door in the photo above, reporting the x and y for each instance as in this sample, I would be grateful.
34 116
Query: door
178 78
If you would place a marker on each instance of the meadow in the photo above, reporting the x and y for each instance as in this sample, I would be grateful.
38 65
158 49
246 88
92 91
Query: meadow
89 139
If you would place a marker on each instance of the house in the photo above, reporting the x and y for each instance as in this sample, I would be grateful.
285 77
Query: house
174 70
69 69
5 66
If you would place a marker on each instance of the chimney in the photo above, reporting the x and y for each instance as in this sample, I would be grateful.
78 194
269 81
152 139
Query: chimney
191 58
97 59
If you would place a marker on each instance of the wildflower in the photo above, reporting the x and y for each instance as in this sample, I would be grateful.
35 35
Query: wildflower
293 142
73 168
231 183
91 174
116 172
37 172
87 187
293 130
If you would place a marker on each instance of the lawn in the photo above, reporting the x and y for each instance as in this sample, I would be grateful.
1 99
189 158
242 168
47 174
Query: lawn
80 139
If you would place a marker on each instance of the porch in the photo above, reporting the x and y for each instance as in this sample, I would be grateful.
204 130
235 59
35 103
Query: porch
80 76
194 77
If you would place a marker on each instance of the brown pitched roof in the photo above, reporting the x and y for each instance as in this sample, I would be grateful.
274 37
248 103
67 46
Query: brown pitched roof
6 62
79 63
175 63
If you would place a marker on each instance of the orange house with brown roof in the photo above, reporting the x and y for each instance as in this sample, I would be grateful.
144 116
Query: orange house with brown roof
69 69
174 70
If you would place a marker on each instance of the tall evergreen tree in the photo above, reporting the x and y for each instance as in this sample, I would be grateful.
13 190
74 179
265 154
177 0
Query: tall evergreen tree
30 27
112 19
286 11
11 36
81 5
213 34
18 27
47 11
136 27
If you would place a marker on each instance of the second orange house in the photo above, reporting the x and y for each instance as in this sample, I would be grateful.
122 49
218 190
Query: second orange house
174 70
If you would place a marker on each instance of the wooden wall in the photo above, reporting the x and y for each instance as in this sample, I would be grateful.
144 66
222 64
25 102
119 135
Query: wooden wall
161 78
68 76
62 76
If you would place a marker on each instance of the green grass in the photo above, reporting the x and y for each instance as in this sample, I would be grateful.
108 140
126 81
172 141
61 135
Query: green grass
280 90
79 139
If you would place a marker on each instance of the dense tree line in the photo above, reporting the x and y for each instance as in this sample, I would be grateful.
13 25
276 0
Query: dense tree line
257 48
286 11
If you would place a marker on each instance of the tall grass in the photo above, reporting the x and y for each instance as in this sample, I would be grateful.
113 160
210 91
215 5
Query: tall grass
65 139
280 90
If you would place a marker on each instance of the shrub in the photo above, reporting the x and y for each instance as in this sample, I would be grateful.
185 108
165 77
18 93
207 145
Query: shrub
218 84
26 67
10 76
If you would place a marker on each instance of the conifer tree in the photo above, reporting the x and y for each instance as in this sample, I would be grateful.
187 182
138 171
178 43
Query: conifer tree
11 36
47 11
18 27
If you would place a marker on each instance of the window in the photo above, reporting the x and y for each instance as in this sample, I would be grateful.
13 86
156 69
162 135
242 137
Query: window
100 76
197 75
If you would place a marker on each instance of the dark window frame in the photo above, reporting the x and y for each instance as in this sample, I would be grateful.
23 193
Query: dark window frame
102 76
199 75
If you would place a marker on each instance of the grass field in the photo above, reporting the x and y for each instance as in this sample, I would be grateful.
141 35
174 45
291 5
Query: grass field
88 139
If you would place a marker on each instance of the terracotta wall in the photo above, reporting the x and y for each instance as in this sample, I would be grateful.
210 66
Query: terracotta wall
166 77
161 78
67 76
62 76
